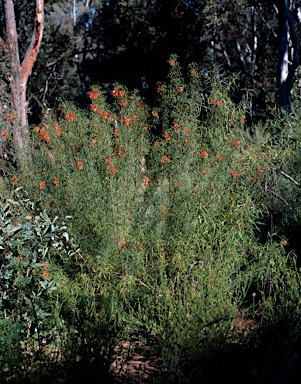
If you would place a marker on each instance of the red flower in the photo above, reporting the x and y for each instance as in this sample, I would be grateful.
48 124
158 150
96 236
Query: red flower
204 154
56 182
164 159
166 137
4 135
80 165
58 130
14 180
234 174
104 114
159 89
113 170
93 95
70 116
145 181
109 161
93 107
126 121
260 171
235 143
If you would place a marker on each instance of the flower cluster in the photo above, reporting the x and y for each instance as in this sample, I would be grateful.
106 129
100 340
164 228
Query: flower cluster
93 95
116 92
217 103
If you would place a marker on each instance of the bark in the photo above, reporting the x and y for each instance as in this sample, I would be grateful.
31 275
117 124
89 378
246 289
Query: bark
20 72
288 53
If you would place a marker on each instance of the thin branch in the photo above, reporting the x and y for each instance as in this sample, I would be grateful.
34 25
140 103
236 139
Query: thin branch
278 196
290 178
35 42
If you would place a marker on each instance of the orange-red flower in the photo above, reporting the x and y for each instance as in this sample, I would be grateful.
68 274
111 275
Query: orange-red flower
145 181
187 132
217 103
70 116
93 95
159 89
43 133
58 130
176 126
4 135
284 242
235 143
186 143
204 154
93 142
56 182
80 165
44 273
93 107
123 245
220 157
9 117
42 185
166 137
242 118
140 244
104 114
113 170
155 114
260 171
234 174
109 161
115 92
126 121
171 62
14 180
193 72
164 159
205 172
181 89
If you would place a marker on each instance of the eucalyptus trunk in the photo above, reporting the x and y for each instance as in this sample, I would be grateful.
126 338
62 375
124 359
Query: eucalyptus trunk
20 72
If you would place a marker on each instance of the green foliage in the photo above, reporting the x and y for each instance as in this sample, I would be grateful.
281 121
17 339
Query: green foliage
167 224
30 245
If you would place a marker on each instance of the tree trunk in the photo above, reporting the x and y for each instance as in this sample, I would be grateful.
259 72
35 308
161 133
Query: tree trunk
20 72
288 53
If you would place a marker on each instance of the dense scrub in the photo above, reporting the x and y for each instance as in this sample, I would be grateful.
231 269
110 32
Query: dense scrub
171 209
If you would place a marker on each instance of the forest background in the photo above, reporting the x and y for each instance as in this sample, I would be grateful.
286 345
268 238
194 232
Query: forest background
167 135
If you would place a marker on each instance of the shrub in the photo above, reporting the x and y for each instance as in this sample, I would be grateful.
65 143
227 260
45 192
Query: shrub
166 223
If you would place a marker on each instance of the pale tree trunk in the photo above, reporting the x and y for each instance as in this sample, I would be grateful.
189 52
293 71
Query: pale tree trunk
288 52
20 72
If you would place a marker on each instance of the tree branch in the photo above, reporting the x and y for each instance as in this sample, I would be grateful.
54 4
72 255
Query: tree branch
34 45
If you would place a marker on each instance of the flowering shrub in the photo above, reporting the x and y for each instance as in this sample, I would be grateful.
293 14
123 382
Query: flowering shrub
165 206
